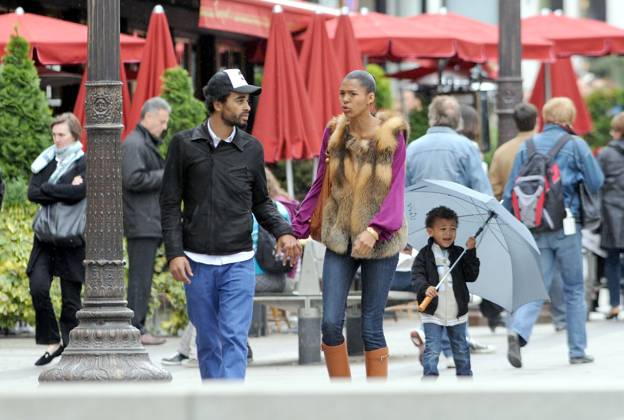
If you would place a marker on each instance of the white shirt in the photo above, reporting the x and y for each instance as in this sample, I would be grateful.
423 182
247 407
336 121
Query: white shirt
220 259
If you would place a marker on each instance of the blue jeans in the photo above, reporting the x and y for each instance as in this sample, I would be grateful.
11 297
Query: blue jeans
338 272
555 247
220 301
613 272
557 300
433 347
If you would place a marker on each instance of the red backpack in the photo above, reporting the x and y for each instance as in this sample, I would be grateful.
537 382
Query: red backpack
537 195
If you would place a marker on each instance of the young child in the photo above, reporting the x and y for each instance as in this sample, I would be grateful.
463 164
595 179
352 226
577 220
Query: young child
449 307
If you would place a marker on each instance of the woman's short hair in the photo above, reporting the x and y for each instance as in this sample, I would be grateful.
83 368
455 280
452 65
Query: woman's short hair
560 110
444 111
72 122
365 78
525 116
617 123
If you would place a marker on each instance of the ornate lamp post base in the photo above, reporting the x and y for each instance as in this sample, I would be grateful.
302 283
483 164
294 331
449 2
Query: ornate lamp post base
109 352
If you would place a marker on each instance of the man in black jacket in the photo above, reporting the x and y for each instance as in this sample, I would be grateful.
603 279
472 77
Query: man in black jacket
142 174
216 170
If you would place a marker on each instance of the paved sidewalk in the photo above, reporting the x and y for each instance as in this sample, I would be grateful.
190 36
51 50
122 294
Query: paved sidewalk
275 358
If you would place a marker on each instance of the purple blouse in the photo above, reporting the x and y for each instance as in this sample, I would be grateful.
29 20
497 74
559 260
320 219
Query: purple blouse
390 217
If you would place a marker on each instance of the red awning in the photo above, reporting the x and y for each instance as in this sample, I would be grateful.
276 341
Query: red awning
384 36
158 56
284 122
572 36
56 41
533 47
320 72
562 83
253 17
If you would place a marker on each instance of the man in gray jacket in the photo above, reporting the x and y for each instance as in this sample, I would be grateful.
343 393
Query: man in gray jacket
142 173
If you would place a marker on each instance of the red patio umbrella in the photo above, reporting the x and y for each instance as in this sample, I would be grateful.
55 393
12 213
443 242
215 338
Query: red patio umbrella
320 72
57 41
572 36
562 83
382 36
533 47
79 107
284 122
346 46
158 56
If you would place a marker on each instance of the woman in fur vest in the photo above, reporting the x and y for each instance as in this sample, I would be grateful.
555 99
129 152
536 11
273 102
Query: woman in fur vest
363 222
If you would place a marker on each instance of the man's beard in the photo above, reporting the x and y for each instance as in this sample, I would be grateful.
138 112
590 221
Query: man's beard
234 122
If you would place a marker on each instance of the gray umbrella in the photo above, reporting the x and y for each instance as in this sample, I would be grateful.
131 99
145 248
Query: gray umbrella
510 273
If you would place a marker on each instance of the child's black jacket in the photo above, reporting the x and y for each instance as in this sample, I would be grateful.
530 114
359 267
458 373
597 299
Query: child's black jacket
425 274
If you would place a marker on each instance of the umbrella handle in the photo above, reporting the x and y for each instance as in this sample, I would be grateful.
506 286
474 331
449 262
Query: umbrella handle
423 305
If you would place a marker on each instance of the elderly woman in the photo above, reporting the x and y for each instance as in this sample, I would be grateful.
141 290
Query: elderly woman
611 161
362 219
57 177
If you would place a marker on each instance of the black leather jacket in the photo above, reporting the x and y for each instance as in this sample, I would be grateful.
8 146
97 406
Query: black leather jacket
219 189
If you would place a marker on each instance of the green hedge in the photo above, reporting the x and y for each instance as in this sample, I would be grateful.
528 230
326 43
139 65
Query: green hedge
167 300
603 104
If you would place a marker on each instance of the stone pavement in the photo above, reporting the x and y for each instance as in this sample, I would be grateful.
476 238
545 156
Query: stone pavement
276 387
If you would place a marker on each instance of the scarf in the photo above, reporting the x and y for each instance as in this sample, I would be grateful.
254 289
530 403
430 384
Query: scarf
65 158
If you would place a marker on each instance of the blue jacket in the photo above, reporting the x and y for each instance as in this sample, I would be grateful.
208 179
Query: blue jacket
444 154
283 211
575 162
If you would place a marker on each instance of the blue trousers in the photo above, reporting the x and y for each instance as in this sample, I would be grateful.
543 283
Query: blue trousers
338 272
555 247
220 301
433 347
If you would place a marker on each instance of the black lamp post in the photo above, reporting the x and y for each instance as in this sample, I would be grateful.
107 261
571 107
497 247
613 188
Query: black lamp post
104 346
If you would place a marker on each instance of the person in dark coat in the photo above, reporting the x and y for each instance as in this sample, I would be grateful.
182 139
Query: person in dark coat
448 309
611 161
58 176
142 174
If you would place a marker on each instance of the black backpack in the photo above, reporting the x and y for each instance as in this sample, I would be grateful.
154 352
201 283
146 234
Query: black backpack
537 195
265 254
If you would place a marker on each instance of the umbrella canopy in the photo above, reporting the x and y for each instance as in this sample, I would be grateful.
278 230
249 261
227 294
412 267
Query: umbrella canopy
253 17
562 83
533 47
346 47
510 273
284 122
320 72
382 36
79 106
158 56
572 36
56 41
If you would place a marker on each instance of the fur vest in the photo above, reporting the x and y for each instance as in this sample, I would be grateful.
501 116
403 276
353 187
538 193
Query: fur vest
361 175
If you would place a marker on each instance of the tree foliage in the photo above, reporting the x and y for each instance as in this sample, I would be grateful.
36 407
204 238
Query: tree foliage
603 105
24 113
383 98
186 110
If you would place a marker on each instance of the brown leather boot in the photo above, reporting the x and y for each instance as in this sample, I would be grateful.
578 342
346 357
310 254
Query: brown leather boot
377 363
337 360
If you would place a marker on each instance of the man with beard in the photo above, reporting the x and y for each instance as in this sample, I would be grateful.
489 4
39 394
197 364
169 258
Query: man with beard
216 172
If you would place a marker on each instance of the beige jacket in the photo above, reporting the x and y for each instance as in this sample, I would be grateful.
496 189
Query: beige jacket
503 160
